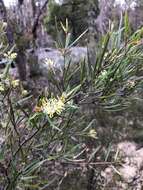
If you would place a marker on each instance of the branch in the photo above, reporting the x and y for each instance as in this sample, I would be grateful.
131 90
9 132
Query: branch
36 22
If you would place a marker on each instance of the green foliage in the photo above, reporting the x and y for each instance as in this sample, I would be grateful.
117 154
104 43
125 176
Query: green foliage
60 127
115 74
49 128
75 11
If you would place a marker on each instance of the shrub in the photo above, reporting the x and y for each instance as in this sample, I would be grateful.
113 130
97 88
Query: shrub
59 129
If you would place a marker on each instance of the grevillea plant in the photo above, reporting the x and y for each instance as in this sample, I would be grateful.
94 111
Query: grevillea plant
57 129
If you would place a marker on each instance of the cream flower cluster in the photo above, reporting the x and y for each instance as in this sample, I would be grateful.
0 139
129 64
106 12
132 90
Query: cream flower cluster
52 106
10 55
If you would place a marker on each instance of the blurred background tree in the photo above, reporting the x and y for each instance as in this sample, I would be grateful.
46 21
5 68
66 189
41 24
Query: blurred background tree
76 11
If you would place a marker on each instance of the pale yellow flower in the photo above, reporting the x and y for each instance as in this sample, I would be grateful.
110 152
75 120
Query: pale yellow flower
131 84
92 133
1 88
24 92
105 55
15 83
49 62
59 106
103 73
53 106
63 97
10 55
4 24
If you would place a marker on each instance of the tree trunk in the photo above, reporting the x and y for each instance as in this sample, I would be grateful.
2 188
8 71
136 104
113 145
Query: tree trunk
93 30
21 64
